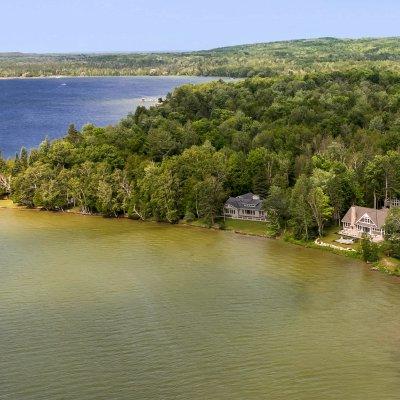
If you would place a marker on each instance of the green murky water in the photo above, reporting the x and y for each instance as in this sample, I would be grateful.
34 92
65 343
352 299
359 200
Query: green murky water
103 309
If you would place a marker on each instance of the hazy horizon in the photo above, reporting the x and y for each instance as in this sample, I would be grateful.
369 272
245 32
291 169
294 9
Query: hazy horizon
123 26
195 50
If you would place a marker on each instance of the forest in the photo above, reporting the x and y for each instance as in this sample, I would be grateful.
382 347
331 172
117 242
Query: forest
264 60
311 145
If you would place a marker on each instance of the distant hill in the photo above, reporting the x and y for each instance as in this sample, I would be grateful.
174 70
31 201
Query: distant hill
260 59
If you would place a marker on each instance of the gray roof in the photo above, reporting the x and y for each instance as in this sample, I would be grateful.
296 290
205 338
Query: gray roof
377 216
248 201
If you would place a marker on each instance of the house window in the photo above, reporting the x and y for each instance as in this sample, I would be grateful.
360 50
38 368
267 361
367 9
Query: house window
249 212
395 202
367 220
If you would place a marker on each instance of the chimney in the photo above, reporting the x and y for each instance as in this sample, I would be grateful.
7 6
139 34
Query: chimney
353 217
256 197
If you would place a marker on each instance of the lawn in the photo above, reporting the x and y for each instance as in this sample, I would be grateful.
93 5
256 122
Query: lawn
248 227
331 235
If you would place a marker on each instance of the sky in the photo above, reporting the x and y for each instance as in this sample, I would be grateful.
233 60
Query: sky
45 26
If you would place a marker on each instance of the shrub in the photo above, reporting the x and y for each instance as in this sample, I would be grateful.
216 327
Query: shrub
369 250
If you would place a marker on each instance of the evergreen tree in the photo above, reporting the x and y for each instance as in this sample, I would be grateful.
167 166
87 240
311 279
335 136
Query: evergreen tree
73 135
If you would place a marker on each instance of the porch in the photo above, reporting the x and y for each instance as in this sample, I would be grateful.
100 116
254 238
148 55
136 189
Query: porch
358 234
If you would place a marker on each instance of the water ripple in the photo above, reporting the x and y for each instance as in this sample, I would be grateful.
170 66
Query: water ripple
100 309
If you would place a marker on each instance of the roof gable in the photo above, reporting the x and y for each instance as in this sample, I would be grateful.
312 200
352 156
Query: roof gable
364 218
378 217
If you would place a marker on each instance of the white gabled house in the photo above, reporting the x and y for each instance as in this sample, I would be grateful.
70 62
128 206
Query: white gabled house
360 221
392 202
247 206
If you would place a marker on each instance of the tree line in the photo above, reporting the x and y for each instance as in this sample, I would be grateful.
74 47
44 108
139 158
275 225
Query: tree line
263 59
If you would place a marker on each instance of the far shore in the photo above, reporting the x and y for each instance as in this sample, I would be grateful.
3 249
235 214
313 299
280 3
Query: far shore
5 78
84 76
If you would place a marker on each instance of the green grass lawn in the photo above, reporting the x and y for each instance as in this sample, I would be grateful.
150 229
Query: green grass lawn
249 227
331 234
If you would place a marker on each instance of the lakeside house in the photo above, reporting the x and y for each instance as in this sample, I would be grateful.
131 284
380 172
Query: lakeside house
247 206
360 221
392 202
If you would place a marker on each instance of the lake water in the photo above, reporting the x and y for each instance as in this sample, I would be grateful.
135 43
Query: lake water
31 109
92 308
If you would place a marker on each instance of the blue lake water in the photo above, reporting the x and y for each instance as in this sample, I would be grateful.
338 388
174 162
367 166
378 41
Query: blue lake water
31 109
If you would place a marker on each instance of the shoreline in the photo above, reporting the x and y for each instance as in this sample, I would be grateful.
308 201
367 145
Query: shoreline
383 265
5 78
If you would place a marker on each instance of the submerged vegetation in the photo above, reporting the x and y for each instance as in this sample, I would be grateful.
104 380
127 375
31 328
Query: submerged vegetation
264 60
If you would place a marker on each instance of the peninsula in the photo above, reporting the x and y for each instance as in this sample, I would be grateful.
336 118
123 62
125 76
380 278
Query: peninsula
310 144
